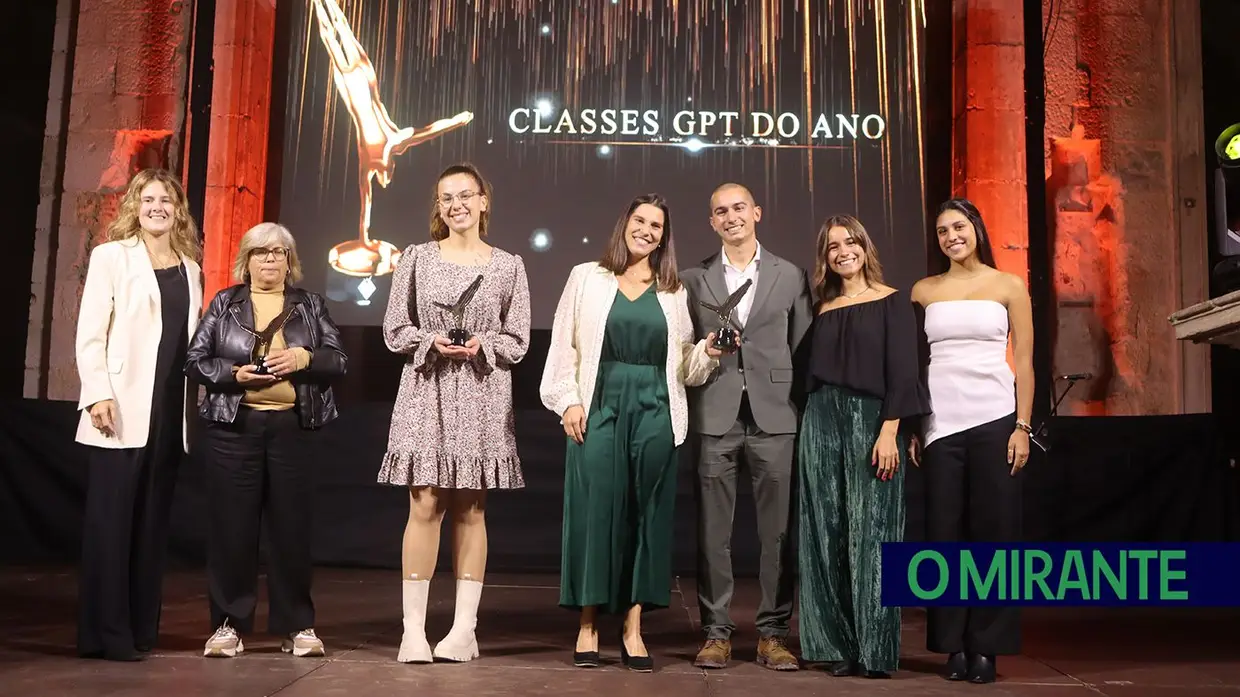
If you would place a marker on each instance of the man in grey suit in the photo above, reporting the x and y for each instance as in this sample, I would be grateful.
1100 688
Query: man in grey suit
747 409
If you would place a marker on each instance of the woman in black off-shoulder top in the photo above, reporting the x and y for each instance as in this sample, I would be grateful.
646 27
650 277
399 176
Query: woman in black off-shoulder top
863 381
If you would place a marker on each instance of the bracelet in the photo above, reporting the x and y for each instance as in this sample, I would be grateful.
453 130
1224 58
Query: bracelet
1024 426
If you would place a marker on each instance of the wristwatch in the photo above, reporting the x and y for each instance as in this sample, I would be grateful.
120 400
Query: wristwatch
1024 426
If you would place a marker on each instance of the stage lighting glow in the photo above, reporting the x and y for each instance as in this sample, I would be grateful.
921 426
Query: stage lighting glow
585 240
1227 147
540 241
544 107
604 150
694 145
546 29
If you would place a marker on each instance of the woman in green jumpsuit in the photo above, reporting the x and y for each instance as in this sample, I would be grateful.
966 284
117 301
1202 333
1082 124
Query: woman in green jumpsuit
621 354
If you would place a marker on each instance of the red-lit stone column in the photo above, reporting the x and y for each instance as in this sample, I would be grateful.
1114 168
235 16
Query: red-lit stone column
988 148
237 153
1126 205
115 105
988 143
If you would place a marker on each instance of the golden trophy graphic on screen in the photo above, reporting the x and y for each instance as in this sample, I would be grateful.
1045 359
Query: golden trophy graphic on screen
379 140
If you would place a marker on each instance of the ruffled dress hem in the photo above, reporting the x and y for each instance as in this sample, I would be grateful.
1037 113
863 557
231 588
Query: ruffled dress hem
446 472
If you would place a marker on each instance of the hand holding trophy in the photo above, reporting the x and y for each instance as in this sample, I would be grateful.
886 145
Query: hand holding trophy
263 339
726 335
458 335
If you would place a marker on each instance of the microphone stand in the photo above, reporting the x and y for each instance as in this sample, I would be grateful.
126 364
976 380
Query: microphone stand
1042 431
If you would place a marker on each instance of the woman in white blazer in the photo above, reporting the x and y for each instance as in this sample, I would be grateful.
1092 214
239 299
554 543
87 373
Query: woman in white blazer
621 354
140 305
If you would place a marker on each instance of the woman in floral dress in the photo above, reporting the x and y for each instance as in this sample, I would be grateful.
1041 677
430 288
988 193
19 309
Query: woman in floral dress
452 437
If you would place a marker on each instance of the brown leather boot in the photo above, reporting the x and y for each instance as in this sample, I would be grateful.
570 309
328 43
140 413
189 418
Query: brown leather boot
715 653
773 653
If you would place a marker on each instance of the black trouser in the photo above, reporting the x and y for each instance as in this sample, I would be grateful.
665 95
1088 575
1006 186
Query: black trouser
124 540
971 496
254 472
769 457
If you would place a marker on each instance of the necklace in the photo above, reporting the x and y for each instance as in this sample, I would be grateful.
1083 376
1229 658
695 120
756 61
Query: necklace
855 295
161 263
478 259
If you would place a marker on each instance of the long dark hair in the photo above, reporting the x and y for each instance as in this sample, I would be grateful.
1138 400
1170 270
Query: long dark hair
964 207
827 284
439 229
662 259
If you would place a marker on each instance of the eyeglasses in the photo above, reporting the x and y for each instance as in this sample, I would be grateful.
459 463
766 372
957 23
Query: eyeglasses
464 197
279 253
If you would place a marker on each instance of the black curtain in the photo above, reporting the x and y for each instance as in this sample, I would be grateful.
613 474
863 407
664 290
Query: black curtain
1157 478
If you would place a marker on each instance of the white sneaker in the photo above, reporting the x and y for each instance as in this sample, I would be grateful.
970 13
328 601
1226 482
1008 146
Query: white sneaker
303 643
225 643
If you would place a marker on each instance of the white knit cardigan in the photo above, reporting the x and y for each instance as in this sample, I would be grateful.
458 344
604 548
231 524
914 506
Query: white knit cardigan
577 344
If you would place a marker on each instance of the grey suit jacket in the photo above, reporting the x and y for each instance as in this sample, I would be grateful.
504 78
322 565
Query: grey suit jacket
763 367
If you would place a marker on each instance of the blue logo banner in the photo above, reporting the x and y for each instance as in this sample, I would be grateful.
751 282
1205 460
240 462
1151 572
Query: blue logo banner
1068 574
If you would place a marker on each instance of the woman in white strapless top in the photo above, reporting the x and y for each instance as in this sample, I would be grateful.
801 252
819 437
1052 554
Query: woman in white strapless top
969 378
976 439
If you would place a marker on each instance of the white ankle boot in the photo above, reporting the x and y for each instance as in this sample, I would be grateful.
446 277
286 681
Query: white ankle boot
413 645
461 645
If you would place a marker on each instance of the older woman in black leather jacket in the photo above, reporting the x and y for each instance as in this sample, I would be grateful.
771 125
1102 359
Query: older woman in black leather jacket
266 352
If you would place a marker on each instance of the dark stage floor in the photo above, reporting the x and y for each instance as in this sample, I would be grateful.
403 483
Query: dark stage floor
526 645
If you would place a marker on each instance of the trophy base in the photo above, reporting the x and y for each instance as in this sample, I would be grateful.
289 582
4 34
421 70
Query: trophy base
458 337
725 340
361 258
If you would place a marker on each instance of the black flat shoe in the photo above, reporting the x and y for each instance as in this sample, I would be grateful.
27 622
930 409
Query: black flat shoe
639 664
585 659
981 669
844 669
877 674
957 667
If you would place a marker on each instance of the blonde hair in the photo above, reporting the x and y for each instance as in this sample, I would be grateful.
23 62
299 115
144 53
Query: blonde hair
262 235
184 232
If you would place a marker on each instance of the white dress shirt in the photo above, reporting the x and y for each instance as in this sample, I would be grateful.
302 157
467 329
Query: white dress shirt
735 277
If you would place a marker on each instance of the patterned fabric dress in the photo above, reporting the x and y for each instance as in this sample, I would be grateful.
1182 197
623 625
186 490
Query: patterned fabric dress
452 423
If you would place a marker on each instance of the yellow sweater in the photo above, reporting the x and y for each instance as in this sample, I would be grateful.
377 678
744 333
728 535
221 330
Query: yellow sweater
279 395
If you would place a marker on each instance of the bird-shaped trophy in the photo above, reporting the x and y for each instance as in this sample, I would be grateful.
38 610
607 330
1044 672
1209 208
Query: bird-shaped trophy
458 334
263 339
725 336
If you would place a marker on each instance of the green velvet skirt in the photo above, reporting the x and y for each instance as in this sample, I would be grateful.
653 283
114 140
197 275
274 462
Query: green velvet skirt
845 514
